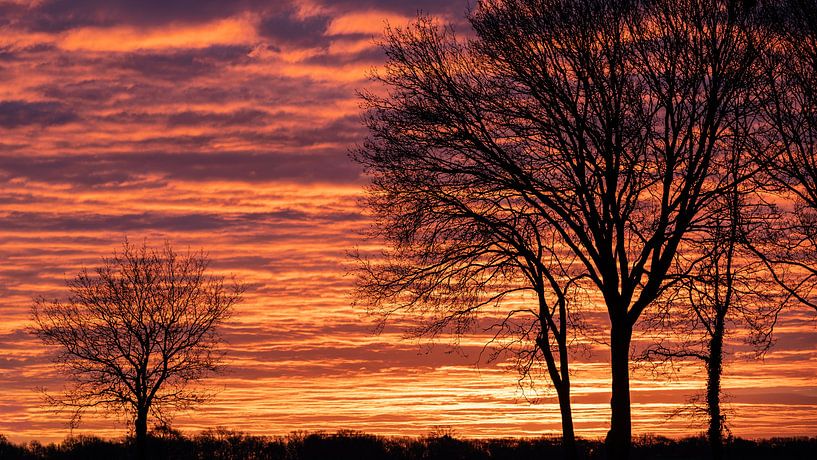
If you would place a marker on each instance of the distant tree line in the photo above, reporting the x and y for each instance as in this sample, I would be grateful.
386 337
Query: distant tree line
221 444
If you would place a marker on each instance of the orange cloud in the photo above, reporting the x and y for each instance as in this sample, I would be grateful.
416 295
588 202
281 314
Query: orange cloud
230 31
365 22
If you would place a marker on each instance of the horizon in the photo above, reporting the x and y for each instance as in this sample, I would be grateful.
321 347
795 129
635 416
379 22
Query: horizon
226 128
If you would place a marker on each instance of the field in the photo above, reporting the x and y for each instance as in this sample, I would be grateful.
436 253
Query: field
223 444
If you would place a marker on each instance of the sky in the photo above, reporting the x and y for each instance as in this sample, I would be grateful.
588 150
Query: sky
225 126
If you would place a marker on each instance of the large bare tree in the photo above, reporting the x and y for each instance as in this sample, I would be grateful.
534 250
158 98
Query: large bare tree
136 332
605 122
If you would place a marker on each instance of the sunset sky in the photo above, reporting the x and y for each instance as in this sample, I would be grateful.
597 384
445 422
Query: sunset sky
225 126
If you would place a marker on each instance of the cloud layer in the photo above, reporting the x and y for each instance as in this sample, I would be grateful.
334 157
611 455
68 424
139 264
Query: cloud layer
225 126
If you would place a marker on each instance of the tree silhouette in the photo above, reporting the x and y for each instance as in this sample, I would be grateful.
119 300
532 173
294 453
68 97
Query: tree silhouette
727 290
607 121
475 253
135 332
791 113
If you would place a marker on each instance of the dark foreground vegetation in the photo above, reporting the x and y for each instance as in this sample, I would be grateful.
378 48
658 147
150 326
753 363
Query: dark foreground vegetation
225 444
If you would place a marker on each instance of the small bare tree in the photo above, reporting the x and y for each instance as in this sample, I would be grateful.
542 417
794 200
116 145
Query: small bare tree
135 332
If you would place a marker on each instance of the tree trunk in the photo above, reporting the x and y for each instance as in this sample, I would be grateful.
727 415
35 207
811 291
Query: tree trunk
713 390
141 429
568 436
619 436
561 381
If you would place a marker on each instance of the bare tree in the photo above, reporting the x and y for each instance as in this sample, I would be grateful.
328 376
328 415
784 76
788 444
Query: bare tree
605 121
459 246
726 287
791 113
471 255
728 290
134 333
